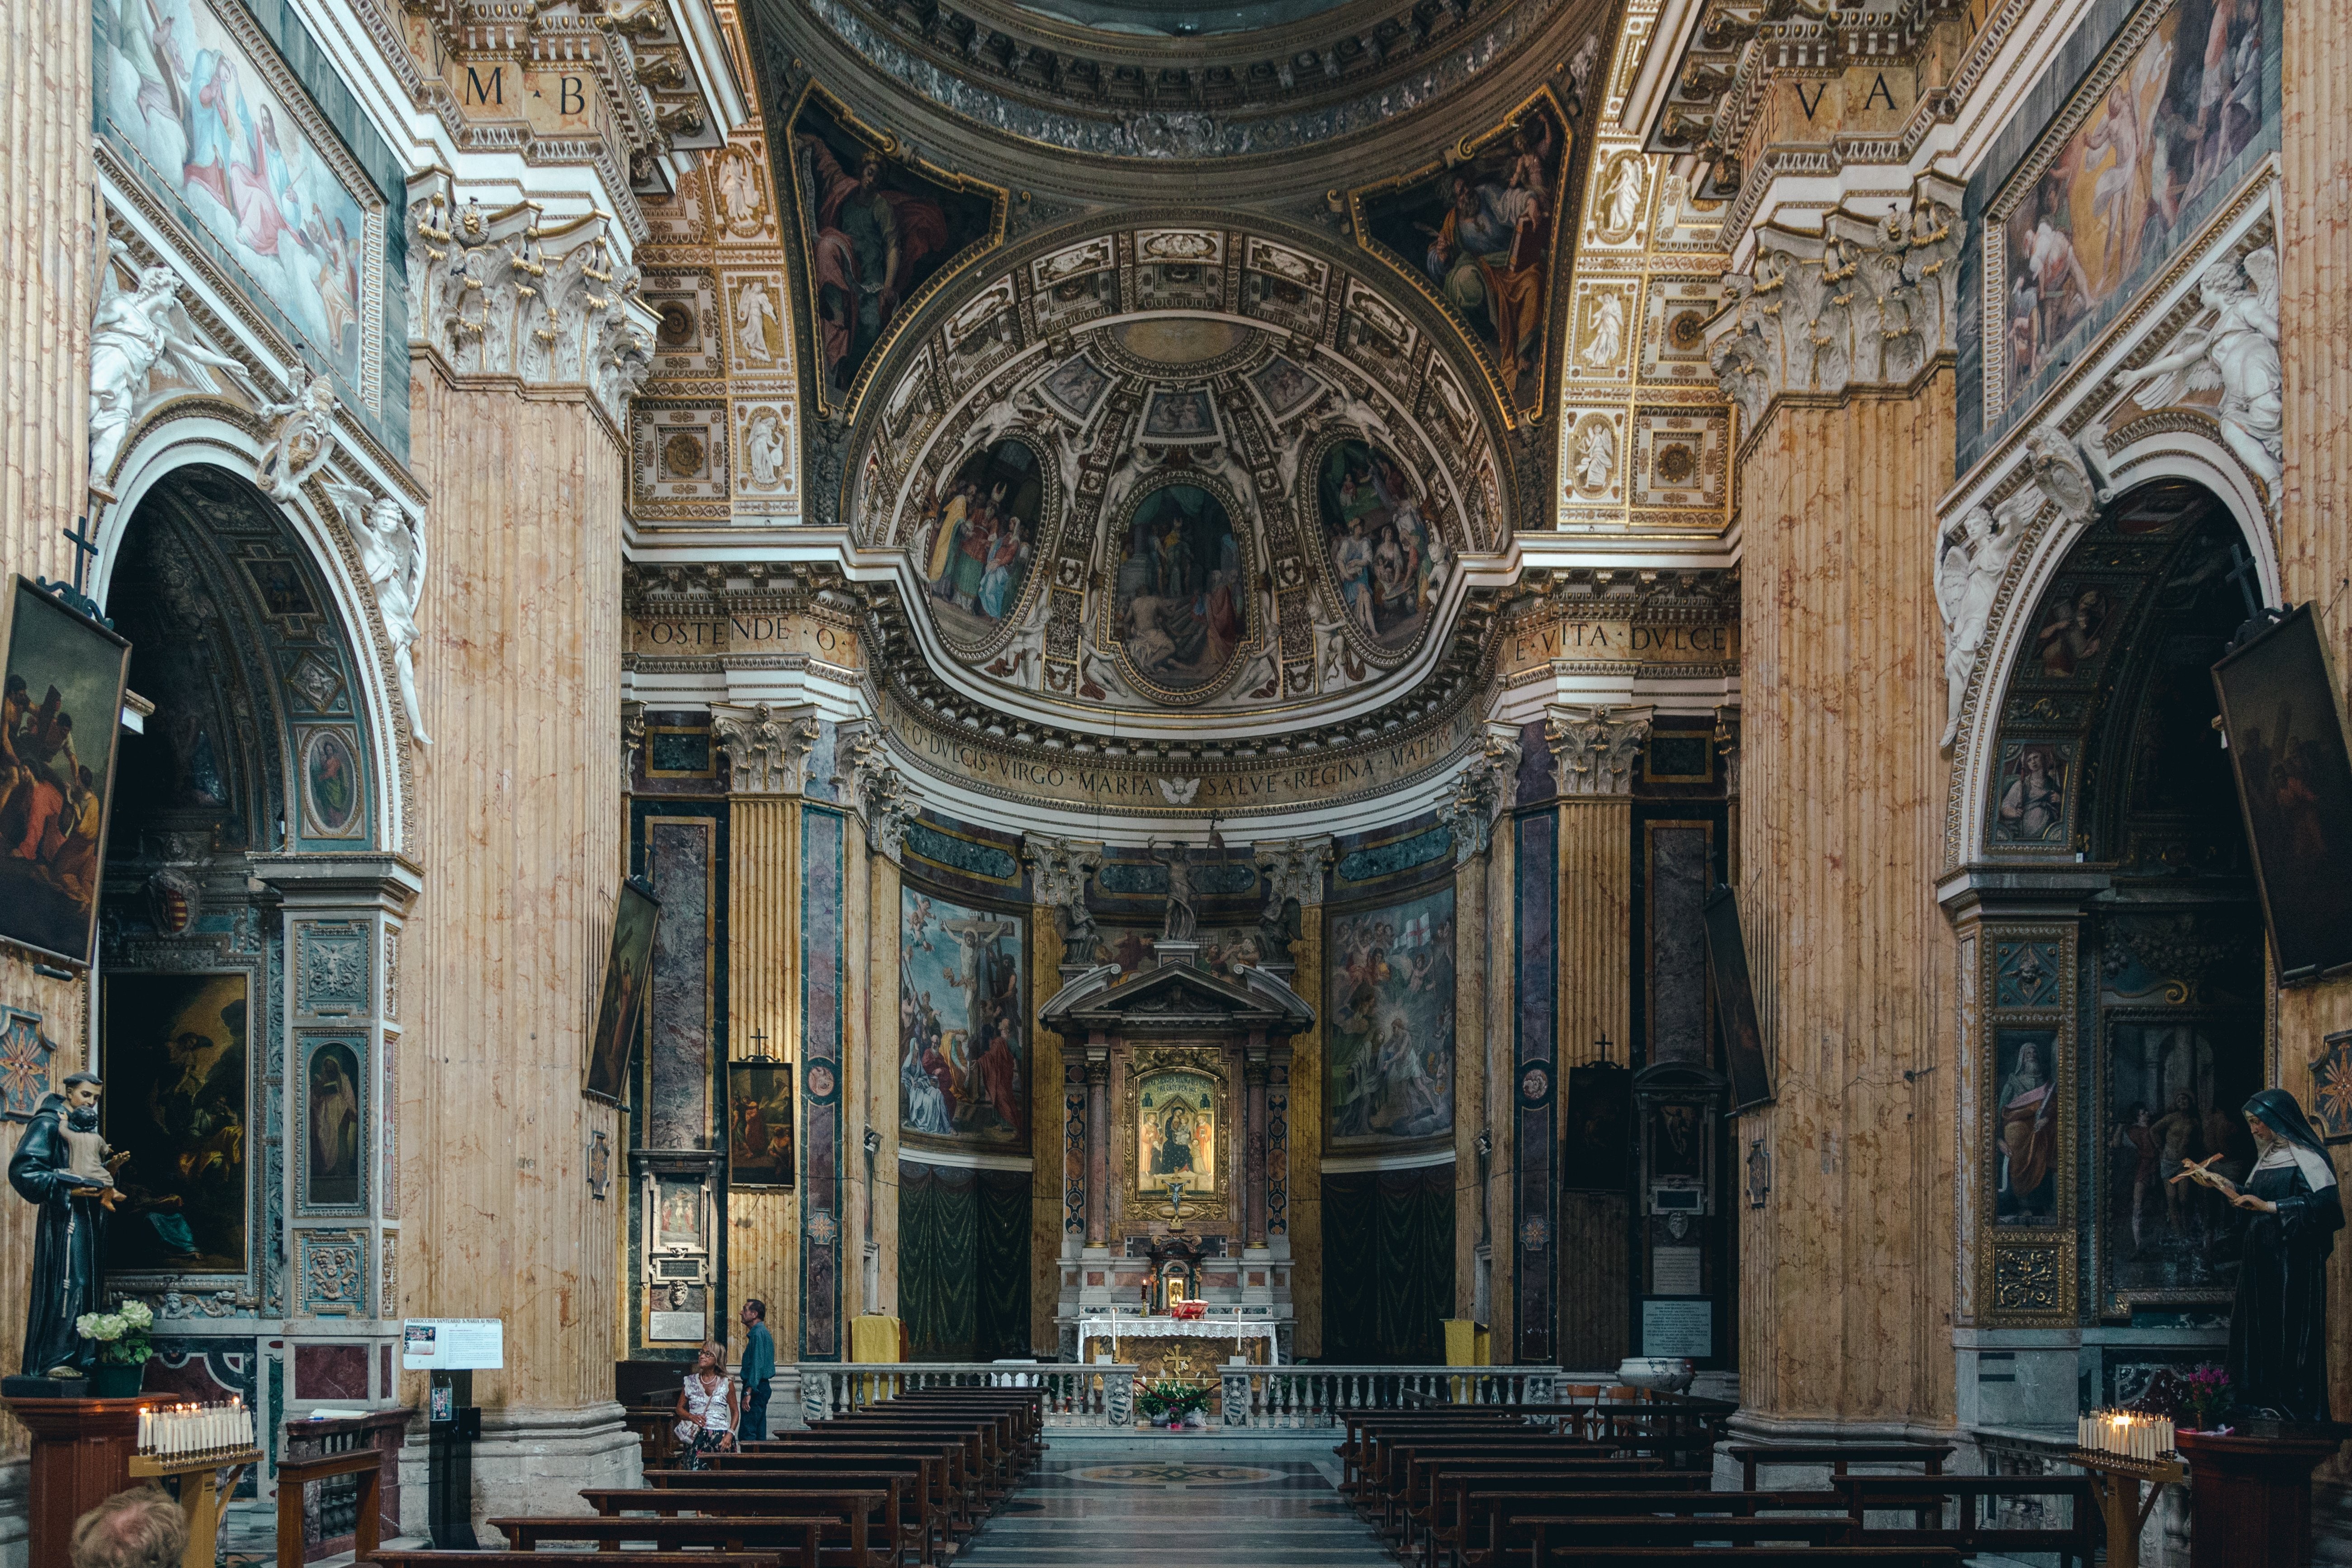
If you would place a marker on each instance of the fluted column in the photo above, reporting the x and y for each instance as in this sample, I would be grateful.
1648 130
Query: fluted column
1254 1070
1099 1193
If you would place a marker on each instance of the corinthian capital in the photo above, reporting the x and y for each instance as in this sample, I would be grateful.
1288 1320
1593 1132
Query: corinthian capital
1488 788
876 789
767 748
1593 748
1293 869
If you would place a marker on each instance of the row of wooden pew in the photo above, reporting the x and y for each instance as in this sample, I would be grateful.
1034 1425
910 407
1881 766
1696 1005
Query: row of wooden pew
899 1484
1614 1484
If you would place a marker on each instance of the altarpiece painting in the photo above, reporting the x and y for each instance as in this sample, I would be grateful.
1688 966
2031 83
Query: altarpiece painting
178 1101
1390 1021
962 1002
1176 1131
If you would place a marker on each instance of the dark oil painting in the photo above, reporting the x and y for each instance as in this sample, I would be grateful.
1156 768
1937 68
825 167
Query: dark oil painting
1594 1156
875 230
1180 600
1482 233
760 1124
177 1100
982 538
628 972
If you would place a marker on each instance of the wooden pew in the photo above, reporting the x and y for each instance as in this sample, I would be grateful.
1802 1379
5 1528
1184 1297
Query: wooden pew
1572 1555
1411 1481
1835 1456
940 1506
1472 1517
908 1515
405 1559
853 1515
1924 1495
786 1542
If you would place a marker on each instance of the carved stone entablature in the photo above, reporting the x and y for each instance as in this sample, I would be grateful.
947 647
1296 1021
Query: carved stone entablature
501 293
767 748
1488 788
1593 748
876 789
1868 304
1293 868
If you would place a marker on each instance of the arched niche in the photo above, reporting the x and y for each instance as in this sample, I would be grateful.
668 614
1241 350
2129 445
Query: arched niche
2112 963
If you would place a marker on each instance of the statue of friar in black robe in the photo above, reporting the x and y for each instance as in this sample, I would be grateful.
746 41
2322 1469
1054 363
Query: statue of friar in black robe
2278 1325
59 1167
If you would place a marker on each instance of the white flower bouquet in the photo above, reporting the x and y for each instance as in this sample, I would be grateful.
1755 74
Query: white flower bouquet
121 1335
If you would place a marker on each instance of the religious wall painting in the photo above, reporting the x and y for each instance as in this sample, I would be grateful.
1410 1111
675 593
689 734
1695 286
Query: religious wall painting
2032 784
2173 1086
59 736
2075 630
1480 233
1387 558
1180 601
964 1057
1284 386
2331 1088
1179 414
2154 137
628 976
333 802
2294 788
334 1145
1596 1154
982 537
878 229
173 1051
1176 1132
1389 1002
760 1124
207 114
1076 386
2025 1126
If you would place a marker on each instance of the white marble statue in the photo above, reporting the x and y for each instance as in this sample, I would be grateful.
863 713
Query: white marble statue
1596 456
302 435
135 332
2238 352
1973 555
763 448
392 553
1608 339
1625 182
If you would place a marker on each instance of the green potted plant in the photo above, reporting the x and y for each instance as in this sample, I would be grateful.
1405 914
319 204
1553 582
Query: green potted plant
123 1349
1170 1403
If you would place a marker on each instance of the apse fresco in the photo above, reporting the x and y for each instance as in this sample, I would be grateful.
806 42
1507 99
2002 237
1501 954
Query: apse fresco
2165 135
982 537
963 1062
1180 601
1387 559
1390 1001
1482 233
877 229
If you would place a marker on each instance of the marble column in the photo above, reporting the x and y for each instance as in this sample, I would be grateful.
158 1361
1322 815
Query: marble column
519 836
1099 1193
1253 1073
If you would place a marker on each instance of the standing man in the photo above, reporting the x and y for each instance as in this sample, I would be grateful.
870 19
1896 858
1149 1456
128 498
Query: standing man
58 1167
759 1366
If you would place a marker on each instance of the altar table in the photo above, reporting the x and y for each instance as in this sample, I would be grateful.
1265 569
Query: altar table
1209 1328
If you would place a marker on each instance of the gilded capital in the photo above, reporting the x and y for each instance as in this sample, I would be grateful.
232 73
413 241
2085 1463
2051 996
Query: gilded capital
1593 748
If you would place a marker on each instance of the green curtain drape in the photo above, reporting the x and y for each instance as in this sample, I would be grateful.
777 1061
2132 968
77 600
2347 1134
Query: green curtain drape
963 1262
1388 1265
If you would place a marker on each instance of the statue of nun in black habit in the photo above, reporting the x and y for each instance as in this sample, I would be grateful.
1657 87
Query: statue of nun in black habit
2278 1325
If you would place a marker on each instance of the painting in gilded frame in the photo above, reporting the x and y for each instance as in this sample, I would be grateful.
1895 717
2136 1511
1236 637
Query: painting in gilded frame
982 538
628 971
760 1124
963 1059
214 119
174 1052
1176 1132
1387 558
1390 995
334 802
2026 1124
1179 603
333 1102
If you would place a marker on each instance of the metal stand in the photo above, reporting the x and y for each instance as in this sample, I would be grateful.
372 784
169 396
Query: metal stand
204 1487
454 1427
2117 1481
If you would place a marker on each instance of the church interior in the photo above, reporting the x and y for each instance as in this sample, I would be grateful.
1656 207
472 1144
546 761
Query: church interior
1271 714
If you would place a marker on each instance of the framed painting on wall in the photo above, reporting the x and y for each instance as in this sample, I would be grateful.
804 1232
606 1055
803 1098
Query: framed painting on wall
759 1123
173 1049
627 970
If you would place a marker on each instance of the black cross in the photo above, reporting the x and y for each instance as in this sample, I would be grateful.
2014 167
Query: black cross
759 1043
78 534
2242 574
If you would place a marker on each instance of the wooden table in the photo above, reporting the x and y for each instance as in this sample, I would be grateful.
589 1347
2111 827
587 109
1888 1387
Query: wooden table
2117 1481
81 1456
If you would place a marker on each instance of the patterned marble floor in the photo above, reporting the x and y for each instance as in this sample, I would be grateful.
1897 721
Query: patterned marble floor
1201 1505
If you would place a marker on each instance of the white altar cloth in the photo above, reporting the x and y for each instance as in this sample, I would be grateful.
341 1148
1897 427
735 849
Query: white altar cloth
1209 1328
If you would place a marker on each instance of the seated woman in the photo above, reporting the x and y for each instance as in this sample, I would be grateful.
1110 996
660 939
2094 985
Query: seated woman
707 1409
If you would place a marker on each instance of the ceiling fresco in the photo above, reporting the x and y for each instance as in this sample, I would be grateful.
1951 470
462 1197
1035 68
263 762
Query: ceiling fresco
1176 469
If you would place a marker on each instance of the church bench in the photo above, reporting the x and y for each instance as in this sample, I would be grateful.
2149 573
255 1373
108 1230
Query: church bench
954 1485
996 1456
1426 1475
1391 1483
853 1515
784 1542
941 1509
1836 1456
1603 1555
406 1559
1972 1495
1485 1525
1367 1432
1462 1499
910 1512
1024 1409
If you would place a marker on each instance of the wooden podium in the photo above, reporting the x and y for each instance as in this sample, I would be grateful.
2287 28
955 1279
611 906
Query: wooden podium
81 1456
2249 1496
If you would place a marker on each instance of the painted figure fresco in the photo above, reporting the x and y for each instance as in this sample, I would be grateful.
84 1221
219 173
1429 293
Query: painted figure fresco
200 116
1176 1131
1180 601
983 536
331 773
1387 558
2032 804
332 1124
2026 1127
2166 132
877 231
57 740
1483 232
759 1123
1390 995
2172 1090
179 1103
963 1059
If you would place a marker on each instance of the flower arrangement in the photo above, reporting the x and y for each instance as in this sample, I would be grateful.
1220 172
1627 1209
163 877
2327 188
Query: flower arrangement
1167 1402
2195 1401
121 1335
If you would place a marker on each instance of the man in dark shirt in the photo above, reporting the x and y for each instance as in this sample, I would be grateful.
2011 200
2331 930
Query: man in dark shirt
759 1366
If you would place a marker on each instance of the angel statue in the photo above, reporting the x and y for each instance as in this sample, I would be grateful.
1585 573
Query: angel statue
392 550
1596 456
302 435
2238 353
135 330
1974 554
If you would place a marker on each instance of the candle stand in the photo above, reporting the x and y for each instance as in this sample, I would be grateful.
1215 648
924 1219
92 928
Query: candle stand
2116 1480
206 1480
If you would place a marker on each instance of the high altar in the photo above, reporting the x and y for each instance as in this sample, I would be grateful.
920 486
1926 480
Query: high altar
1176 1092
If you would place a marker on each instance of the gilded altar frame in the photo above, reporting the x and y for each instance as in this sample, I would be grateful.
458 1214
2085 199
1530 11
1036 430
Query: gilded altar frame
1141 1203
